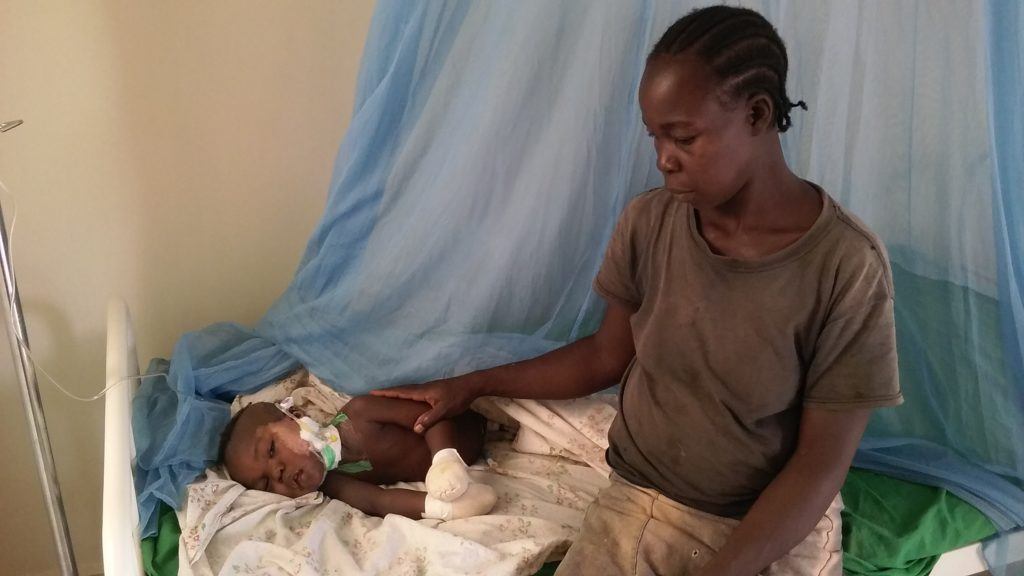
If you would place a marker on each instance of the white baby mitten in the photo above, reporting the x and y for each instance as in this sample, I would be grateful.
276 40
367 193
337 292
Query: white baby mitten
477 500
448 476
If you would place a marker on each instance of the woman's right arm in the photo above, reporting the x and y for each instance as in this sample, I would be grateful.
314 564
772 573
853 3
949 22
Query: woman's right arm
578 369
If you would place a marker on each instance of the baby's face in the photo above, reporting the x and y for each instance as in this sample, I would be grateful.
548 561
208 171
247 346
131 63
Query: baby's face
266 453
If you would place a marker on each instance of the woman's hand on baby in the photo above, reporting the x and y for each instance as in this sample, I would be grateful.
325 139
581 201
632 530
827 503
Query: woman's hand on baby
447 398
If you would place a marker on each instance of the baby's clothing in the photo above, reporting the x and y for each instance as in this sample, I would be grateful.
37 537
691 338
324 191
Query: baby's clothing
728 352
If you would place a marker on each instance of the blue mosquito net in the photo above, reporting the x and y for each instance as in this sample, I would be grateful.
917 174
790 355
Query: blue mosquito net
493 145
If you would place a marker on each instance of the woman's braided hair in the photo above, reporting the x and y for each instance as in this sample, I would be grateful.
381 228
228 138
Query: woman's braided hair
741 48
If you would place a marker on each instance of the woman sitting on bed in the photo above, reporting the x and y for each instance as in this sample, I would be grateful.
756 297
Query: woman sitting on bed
750 321
275 448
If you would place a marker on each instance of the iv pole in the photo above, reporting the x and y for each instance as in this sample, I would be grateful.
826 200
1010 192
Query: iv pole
33 405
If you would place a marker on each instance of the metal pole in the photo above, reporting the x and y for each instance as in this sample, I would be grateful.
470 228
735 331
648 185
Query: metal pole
34 409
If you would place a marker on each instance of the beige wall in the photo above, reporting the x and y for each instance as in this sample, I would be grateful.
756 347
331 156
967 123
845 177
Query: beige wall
176 154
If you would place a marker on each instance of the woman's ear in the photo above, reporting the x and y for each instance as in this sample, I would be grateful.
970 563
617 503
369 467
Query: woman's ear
760 113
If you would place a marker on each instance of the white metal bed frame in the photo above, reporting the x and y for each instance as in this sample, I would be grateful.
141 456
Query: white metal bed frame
122 554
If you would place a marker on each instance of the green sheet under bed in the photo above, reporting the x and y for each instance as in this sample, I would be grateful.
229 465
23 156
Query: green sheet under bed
160 552
890 527
901 528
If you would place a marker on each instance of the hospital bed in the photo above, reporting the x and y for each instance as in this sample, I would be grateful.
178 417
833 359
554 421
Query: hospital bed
121 533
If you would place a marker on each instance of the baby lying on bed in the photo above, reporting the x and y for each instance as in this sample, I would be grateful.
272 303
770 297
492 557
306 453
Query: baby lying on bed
275 448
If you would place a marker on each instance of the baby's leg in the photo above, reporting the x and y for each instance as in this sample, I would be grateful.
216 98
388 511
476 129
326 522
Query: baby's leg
464 433
453 443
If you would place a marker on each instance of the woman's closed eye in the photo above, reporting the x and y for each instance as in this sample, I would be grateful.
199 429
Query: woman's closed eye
677 140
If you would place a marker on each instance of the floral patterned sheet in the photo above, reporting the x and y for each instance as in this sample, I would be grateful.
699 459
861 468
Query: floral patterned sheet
544 458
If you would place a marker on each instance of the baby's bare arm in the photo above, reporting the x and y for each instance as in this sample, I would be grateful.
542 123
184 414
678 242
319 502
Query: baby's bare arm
372 499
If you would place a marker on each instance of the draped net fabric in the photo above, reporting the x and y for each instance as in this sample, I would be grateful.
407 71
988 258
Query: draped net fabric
493 145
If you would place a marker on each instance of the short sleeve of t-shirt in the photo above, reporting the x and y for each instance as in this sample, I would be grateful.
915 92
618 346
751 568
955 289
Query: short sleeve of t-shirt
854 363
617 280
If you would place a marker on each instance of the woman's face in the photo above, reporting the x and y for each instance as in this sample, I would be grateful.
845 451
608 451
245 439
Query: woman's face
266 453
705 145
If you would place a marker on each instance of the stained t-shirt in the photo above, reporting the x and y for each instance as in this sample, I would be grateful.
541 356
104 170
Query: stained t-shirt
729 351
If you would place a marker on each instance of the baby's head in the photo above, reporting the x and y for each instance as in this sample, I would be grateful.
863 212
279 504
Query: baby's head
262 450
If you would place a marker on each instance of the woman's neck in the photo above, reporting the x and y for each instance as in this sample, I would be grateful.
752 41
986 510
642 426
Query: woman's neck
765 200
767 214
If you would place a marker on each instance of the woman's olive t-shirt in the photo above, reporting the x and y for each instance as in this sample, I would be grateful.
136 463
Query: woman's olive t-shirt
729 352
